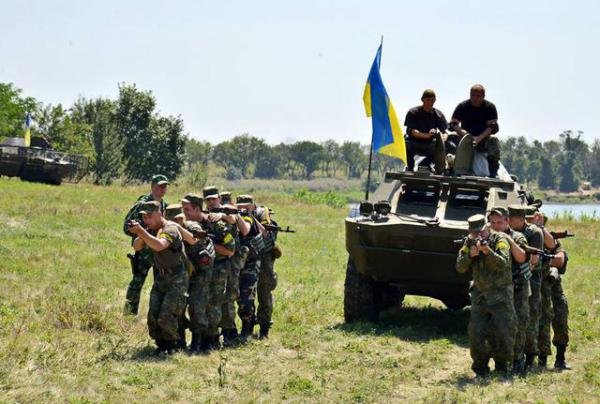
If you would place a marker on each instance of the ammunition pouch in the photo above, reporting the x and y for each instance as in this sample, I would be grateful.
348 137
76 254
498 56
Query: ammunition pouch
521 271
269 243
257 245
203 259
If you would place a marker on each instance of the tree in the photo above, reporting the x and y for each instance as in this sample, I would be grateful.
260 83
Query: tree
240 152
546 177
13 109
331 157
307 155
568 169
354 158
594 163
197 151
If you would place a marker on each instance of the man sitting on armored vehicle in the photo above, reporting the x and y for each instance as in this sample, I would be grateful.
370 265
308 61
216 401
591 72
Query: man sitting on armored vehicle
424 125
477 118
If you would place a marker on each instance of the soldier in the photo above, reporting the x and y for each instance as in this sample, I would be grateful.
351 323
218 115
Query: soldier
555 308
249 274
423 126
521 274
224 243
171 279
142 260
201 255
534 236
487 254
267 277
225 197
478 118
236 226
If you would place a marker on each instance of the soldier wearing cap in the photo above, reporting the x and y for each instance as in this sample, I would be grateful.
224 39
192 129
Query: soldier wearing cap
478 119
535 238
201 255
254 241
554 304
487 254
225 197
174 213
498 219
424 125
142 260
171 278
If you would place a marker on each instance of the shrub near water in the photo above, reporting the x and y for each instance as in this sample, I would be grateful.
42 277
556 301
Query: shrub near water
63 338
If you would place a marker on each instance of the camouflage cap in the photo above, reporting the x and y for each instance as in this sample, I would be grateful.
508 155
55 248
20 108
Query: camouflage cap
172 211
244 200
498 210
194 199
531 210
517 210
159 179
149 207
476 223
225 197
210 192
428 93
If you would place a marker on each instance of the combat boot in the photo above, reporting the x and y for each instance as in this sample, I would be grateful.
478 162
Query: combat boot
560 362
504 369
171 347
210 343
229 336
161 347
131 308
196 343
264 331
529 358
181 343
542 362
247 329
519 367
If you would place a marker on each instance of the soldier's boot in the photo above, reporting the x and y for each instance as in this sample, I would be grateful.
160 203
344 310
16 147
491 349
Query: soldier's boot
529 358
161 347
264 331
210 343
504 369
230 335
247 329
561 362
542 362
519 367
171 347
482 374
181 343
131 308
494 166
196 343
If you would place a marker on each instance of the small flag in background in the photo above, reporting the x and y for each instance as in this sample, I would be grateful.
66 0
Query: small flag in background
387 134
27 135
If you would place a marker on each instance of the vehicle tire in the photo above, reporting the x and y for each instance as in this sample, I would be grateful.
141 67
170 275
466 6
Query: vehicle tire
359 296
455 304
387 296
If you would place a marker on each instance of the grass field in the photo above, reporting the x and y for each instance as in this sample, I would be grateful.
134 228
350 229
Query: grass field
63 275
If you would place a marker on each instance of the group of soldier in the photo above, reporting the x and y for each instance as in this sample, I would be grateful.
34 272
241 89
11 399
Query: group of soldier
208 255
516 293
474 121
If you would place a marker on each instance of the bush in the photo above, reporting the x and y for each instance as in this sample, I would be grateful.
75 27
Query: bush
197 176
233 174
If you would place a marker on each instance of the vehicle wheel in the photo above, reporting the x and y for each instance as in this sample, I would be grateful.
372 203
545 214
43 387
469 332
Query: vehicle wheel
455 304
359 296
387 296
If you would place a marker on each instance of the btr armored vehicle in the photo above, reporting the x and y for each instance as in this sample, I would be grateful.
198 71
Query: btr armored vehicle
403 241
39 162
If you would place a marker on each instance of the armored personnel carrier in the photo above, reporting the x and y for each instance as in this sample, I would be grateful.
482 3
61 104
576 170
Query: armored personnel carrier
39 162
402 241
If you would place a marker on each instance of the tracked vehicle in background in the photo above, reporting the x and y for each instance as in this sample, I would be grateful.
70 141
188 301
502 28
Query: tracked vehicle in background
402 241
39 162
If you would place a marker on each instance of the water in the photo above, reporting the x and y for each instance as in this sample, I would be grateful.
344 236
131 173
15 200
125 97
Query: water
556 209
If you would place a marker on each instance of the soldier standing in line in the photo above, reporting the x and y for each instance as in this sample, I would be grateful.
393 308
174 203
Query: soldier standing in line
521 274
487 254
171 278
142 260
535 238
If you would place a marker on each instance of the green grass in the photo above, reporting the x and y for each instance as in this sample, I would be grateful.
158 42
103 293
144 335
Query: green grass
63 274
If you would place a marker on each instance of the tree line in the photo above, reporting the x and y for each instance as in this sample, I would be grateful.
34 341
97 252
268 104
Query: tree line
128 138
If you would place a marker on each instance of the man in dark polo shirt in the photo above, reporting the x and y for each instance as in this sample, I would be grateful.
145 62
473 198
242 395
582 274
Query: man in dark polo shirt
424 125
478 118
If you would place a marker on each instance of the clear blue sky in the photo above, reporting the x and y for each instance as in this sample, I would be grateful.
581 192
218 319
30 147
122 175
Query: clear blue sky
296 70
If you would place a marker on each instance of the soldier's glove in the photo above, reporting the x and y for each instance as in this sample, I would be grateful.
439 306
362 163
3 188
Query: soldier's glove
276 252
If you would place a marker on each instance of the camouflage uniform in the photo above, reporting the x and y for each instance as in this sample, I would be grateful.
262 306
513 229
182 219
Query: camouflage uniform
220 234
143 259
522 290
267 277
232 291
492 309
249 276
169 291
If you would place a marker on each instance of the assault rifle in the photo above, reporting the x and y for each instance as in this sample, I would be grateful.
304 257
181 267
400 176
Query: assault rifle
536 251
227 210
272 227
561 234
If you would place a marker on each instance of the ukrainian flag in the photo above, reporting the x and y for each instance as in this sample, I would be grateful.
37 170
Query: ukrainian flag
27 135
387 134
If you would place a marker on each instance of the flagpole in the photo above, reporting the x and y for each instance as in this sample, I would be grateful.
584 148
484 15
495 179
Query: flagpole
370 155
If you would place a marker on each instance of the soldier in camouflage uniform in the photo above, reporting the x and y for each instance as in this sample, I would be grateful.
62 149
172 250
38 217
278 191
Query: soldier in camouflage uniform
267 277
142 260
171 278
535 238
560 305
224 243
487 254
201 254
521 274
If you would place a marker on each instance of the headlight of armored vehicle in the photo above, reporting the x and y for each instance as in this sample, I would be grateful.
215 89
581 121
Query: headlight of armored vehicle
383 208
365 208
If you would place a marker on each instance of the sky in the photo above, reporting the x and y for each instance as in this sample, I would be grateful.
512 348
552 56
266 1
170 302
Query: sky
285 71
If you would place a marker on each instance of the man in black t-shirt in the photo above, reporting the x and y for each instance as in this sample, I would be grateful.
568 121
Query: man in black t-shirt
424 125
478 118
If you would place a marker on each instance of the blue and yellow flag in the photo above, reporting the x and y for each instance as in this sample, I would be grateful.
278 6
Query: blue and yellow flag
387 134
27 134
